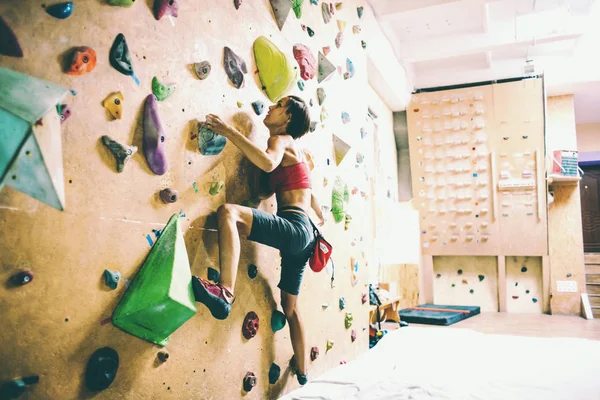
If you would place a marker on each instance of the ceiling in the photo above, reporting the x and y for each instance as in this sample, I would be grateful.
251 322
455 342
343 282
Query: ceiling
449 42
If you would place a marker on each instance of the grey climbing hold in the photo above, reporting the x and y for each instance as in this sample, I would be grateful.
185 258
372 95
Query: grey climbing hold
252 271
274 373
313 126
310 102
163 356
326 12
258 107
481 277
111 278
202 69
321 96
569 275
213 275
301 84
169 195
122 153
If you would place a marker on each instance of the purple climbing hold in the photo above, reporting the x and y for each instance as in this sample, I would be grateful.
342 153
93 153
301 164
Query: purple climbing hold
250 326
169 195
154 137
9 45
165 7
235 67
339 39
353 335
64 112
314 353
60 10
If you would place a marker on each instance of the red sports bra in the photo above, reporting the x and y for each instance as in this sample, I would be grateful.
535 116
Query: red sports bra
292 177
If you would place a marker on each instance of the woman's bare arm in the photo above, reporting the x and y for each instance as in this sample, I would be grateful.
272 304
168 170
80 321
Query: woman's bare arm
266 160
314 204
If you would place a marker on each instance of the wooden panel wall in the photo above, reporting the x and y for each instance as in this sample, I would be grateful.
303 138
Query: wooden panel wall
53 325
564 215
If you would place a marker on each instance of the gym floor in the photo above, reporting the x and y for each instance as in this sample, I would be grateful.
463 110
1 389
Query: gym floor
538 325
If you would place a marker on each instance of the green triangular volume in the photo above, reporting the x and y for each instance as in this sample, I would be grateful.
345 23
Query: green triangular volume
160 298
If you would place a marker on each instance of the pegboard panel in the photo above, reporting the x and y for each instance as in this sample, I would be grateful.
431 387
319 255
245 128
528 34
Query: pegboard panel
459 141
524 284
466 281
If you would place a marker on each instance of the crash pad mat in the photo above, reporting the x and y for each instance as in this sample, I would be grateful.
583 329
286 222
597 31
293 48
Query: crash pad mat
437 317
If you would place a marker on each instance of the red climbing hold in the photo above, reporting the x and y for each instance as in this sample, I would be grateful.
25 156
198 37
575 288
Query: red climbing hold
165 7
249 381
250 327
314 353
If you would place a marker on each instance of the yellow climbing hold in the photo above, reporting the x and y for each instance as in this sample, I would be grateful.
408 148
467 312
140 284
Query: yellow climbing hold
276 72
341 25
114 104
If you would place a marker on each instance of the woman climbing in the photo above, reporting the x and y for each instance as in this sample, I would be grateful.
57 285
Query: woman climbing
290 230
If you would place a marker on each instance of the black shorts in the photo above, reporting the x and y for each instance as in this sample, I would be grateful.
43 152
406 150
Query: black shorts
293 235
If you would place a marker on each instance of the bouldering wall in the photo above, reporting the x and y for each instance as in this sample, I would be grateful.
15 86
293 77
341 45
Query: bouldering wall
111 220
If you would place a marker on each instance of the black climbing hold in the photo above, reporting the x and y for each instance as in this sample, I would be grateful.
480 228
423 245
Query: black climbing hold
524 269
311 33
471 291
213 275
101 369
527 291
22 278
313 126
363 44
516 283
119 56
252 271
438 275
60 10
16 387
249 381
481 277
403 323
534 300
274 373
460 271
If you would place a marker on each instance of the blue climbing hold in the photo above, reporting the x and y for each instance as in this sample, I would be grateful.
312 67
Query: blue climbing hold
274 373
112 278
60 10
301 85
534 300
524 269
481 277
258 107
252 271
277 320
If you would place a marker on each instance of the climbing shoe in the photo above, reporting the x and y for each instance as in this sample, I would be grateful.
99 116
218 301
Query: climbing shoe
302 378
214 296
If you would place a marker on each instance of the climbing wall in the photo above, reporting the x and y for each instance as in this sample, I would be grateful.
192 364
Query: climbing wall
478 173
467 281
112 220
524 284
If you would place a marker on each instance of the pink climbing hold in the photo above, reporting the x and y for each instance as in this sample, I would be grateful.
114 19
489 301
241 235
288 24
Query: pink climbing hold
314 353
165 7
306 60
339 39
326 50
353 335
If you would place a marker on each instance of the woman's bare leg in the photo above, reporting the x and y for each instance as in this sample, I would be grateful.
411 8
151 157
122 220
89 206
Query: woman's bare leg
232 221
288 302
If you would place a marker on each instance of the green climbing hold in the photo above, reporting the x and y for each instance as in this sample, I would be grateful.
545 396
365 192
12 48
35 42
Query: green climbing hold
453 285
277 74
527 291
160 90
122 3
481 277
471 291
297 7
337 201
348 320
301 85
216 187
160 298
213 275
329 345
277 320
